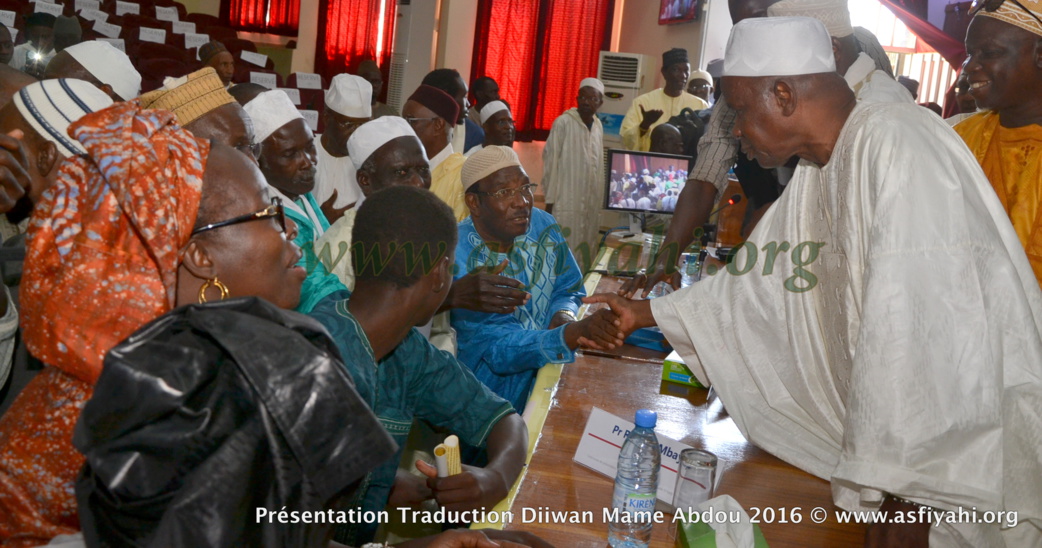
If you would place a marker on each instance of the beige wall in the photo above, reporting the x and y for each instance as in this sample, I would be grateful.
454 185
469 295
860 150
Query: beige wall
639 32
456 35
211 7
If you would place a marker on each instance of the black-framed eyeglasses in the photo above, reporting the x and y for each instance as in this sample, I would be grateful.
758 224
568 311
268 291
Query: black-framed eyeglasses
250 150
528 191
992 6
274 210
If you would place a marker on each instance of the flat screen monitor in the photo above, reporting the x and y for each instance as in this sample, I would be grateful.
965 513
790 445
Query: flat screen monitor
644 182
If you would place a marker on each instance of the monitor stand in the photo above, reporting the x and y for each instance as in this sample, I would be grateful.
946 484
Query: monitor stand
637 224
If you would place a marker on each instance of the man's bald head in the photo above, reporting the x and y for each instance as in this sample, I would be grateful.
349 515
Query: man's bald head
667 139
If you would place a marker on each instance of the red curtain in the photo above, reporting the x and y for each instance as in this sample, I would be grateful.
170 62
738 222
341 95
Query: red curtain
349 36
283 17
505 50
953 50
538 51
269 16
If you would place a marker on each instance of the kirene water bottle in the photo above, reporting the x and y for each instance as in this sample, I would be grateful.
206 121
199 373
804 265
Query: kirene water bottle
636 485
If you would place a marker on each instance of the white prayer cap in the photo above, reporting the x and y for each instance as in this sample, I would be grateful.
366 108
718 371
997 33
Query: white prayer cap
778 46
50 106
493 107
592 83
701 75
372 135
270 111
832 13
109 65
487 161
350 95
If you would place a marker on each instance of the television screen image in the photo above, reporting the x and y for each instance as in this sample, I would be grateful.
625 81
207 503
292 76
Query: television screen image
644 182
678 11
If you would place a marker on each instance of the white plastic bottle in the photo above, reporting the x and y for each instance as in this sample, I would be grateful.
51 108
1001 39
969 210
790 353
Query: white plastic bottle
636 485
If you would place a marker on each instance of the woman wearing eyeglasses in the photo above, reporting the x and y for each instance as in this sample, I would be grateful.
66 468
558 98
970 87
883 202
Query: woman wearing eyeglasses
1004 69
148 220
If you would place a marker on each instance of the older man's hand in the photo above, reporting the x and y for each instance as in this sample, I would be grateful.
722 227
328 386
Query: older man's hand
333 213
484 290
598 330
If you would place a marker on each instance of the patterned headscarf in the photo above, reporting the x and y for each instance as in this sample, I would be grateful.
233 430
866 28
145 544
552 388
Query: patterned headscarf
104 240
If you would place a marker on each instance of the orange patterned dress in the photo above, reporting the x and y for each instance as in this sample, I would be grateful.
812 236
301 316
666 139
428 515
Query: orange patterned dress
102 259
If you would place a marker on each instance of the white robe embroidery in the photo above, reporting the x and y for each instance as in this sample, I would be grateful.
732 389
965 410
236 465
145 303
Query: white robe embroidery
914 364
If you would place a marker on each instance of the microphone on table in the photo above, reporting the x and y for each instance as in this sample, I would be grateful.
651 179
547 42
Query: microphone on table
734 199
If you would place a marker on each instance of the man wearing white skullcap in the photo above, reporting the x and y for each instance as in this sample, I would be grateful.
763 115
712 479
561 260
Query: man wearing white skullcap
43 112
658 106
348 106
701 84
1006 136
498 124
859 357
718 150
101 64
506 350
573 173
384 152
287 160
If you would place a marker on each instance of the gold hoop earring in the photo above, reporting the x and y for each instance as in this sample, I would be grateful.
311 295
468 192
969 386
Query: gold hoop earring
216 283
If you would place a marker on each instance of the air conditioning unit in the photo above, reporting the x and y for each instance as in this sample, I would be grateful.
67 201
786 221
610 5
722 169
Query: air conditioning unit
625 76
412 55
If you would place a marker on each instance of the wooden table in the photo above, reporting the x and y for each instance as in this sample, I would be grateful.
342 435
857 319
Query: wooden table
621 386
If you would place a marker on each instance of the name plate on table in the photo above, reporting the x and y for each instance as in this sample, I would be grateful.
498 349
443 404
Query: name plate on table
45 7
254 58
166 14
311 117
602 440
127 7
183 27
88 5
308 80
7 18
117 43
107 29
153 35
94 15
264 79
193 40
294 94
